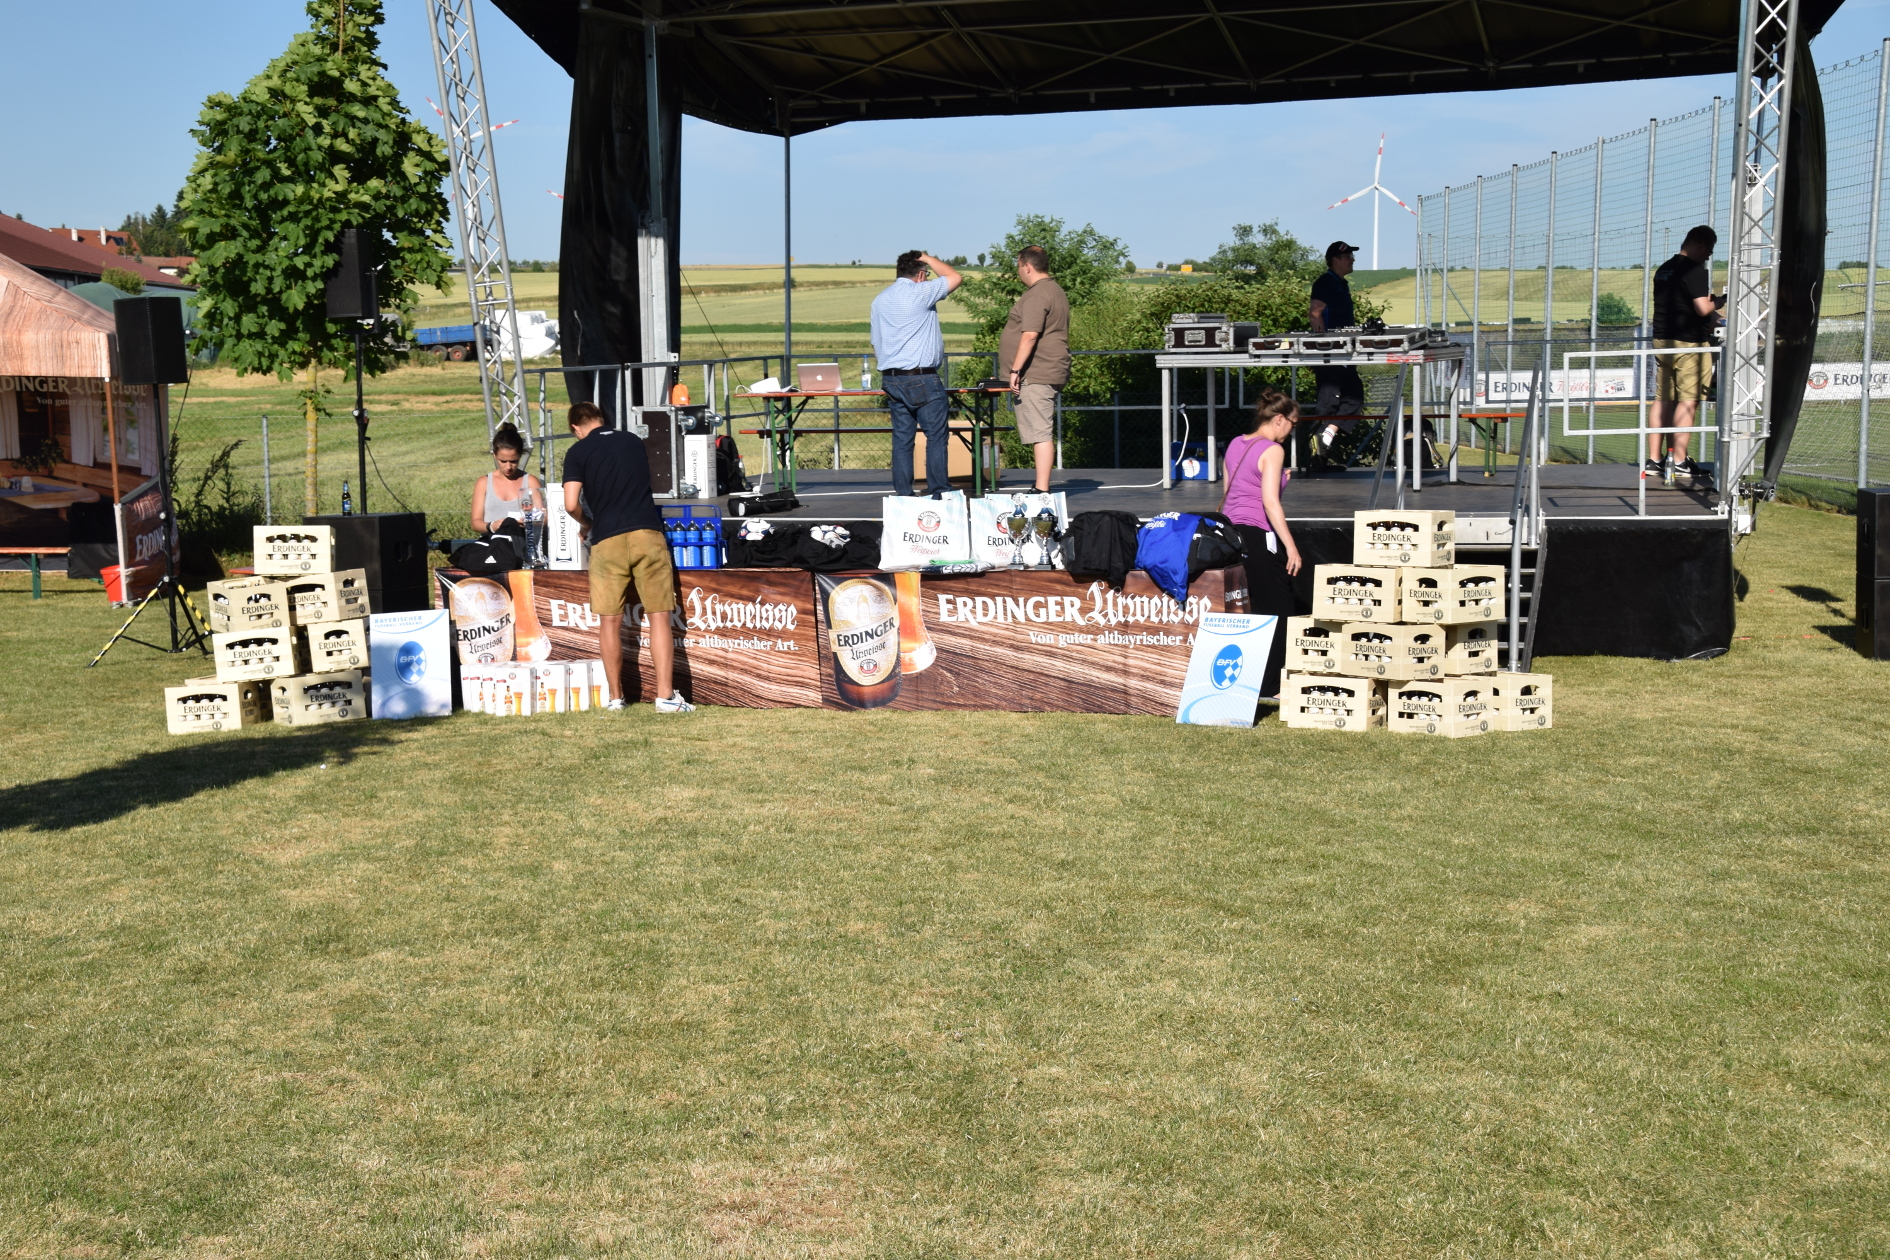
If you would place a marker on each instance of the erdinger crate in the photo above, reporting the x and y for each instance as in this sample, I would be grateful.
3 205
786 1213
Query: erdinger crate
1399 537
251 603
1391 652
336 645
1524 702
1472 649
246 654
1312 646
1322 702
1456 596
315 598
292 550
1453 707
1346 592
206 704
317 698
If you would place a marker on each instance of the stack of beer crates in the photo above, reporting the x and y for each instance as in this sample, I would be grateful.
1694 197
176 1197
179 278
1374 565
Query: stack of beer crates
1405 637
290 642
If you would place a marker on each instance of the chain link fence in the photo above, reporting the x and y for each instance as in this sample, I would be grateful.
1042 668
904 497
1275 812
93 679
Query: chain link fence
1563 251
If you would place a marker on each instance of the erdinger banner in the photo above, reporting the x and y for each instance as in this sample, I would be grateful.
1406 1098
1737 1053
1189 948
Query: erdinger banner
1024 641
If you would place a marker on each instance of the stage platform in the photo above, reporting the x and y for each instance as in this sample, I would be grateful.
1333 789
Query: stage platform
1568 490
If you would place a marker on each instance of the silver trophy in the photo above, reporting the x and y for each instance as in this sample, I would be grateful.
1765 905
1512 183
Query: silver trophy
1045 526
1016 528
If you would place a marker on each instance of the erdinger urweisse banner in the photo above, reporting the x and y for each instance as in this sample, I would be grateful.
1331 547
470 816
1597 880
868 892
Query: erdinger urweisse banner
1025 641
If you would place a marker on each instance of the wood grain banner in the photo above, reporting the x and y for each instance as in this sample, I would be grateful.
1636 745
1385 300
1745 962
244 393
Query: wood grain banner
1028 641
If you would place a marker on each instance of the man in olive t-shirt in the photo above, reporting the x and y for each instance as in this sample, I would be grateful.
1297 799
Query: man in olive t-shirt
1035 350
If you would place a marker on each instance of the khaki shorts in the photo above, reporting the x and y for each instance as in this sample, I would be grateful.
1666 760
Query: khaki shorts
641 555
1036 407
1682 377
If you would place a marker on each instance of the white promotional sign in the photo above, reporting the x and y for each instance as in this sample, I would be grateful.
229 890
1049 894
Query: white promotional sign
926 533
1845 381
564 549
992 543
411 654
1223 683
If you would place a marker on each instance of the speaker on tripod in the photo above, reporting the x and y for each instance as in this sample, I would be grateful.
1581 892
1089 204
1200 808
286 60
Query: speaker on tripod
353 294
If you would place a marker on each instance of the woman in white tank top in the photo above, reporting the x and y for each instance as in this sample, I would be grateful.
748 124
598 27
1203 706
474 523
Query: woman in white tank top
496 496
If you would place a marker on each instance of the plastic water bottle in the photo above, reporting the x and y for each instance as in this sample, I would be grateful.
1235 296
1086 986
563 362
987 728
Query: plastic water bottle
691 548
347 501
534 528
712 543
675 544
866 375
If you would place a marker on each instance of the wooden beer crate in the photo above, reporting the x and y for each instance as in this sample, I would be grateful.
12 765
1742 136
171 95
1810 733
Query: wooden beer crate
1472 649
1350 592
1452 707
292 550
316 698
1453 596
1524 702
207 704
1391 652
320 597
1401 537
251 603
336 645
246 654
1321 702
1312 646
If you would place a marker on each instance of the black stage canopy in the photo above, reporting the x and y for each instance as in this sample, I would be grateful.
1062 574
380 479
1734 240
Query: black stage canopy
763 65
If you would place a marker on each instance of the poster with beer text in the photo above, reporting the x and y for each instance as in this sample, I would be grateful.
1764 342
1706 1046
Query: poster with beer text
1019 640
744 637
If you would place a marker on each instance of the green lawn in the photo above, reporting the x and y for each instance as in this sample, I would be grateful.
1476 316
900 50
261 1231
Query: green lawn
812 984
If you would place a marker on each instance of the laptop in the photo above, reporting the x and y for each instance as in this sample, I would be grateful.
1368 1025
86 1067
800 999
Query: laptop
819 378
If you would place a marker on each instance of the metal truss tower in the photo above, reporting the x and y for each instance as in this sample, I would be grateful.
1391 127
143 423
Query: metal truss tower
476 205
1768 39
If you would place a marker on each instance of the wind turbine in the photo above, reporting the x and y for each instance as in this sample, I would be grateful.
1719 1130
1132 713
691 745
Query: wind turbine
1382 191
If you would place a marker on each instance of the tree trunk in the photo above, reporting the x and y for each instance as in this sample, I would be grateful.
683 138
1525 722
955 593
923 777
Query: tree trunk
311 499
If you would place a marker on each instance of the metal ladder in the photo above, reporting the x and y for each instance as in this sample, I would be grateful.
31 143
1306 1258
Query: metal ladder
1528 548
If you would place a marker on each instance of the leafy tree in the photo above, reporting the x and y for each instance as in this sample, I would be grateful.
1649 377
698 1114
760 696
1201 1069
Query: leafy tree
1082 260
1264 253
1612 308
158 234
118 278
317 143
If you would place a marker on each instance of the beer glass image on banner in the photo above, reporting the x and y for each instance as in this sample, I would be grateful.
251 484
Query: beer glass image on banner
1223 683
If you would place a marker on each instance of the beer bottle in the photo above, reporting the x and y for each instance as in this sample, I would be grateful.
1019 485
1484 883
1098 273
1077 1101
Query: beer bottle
531 643
863 635
916 649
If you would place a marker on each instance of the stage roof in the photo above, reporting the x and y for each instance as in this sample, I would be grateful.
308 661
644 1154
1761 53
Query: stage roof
765 65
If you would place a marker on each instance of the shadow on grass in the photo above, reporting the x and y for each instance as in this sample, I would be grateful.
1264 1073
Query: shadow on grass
1815 595
1844 635
178 773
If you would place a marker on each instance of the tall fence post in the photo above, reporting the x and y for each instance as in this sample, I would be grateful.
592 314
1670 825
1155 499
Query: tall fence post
1643 366
1509 324
1548 304
1444 298
1594 291
1870 270
1476 297
269 516
1115 406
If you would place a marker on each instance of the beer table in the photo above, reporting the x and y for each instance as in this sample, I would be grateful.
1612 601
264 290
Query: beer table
782 410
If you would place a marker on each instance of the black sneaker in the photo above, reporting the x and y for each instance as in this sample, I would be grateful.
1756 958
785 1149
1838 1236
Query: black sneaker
1654 468
1697 476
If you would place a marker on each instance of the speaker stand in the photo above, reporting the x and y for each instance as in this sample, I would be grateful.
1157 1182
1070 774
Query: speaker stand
169 589
360 423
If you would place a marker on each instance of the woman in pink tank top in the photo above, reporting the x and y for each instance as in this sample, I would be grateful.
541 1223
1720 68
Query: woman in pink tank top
1255 468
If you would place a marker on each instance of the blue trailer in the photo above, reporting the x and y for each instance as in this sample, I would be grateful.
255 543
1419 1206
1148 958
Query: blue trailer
456 341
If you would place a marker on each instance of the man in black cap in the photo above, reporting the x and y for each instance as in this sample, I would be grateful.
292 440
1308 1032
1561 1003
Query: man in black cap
1341 392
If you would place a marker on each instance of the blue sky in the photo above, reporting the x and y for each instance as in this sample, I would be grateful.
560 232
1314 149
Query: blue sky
87 145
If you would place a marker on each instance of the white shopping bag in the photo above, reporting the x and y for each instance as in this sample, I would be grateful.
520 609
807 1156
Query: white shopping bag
994 546
926 533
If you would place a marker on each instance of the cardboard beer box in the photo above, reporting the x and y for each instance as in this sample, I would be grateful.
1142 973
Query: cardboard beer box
292 550
335 646
1323 702
1451 707
1524 702
1350 592
247 654
318 597
1456 596
1399 537
551 690
1392 652
1312 646
1472 649
512 691
207 704
578 690
317 698
251 603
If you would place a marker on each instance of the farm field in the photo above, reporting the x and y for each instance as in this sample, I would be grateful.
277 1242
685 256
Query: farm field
918 985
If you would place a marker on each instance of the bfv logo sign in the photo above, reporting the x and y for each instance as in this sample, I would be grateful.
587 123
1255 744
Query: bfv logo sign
1227 667
411 662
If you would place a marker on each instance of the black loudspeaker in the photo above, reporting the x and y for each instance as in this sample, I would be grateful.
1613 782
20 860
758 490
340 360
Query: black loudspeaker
1873 533
392 547
352 292
659 445
1873 619
151 341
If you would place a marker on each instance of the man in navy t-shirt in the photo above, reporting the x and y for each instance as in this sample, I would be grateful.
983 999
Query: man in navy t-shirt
1341 392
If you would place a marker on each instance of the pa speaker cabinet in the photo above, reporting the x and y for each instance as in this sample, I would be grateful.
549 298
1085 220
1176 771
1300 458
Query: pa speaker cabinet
351 292
390 546
659 443
1873 619
1873 534
151 341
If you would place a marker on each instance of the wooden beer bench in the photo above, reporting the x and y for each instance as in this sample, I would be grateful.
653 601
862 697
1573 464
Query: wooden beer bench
33 554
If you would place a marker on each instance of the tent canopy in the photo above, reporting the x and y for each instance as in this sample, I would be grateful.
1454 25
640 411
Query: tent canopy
774 66
45 331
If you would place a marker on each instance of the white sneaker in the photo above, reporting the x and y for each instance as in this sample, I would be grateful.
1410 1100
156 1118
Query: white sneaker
613 706
674 704
1327 438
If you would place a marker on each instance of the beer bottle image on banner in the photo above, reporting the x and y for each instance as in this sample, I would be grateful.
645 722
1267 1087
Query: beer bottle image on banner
916 649
863 633
482 621
530 642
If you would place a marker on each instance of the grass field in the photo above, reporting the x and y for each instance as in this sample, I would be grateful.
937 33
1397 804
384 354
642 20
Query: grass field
811 984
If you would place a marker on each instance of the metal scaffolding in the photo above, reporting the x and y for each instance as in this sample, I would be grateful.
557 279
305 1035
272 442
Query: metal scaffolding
476 202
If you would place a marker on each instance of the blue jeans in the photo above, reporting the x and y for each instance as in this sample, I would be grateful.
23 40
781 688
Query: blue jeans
918 402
